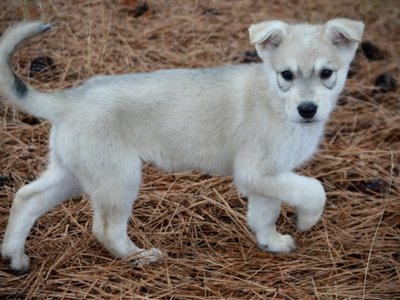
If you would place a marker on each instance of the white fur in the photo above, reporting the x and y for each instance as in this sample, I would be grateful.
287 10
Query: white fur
238 120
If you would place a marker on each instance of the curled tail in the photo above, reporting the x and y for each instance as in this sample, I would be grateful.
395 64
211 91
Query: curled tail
15 91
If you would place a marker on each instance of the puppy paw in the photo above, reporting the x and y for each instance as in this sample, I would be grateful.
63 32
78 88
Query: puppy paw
306 221
314 192
146 257
279 244
18 263
310 210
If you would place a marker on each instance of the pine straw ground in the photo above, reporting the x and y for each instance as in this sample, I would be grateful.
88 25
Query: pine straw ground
353 252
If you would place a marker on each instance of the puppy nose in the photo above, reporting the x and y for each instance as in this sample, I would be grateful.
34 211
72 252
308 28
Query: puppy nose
307 110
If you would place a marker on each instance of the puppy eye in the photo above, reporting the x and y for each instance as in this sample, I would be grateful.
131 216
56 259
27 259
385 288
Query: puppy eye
287 75
325 74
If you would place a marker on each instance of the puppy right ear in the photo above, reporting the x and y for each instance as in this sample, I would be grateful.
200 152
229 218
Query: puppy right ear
345 34
267 36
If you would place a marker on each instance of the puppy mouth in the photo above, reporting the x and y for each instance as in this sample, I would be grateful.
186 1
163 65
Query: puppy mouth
308 122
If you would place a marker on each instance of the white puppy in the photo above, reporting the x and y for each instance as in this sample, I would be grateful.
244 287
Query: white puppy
256 122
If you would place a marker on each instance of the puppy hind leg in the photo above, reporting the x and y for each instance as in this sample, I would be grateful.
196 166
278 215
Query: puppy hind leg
31 201
112 206
262 215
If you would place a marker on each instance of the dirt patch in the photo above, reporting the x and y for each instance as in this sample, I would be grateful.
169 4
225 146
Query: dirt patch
353 252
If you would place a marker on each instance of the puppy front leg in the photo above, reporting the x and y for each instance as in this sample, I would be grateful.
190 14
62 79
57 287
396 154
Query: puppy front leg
306 194
261 217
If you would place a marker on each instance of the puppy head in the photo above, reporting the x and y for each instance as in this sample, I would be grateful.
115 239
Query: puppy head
306 65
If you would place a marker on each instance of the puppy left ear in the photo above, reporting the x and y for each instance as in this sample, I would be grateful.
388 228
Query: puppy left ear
344 33
270 33
267 36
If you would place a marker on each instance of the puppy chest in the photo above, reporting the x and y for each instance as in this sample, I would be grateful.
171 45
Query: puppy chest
292 150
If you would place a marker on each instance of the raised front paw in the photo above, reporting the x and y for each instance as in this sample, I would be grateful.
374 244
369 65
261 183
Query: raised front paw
309 211
306 220
314 196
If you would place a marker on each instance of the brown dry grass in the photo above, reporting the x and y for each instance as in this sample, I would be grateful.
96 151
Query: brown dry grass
354 252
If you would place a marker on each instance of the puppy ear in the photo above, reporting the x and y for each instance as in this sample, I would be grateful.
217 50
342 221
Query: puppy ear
267 35
344 33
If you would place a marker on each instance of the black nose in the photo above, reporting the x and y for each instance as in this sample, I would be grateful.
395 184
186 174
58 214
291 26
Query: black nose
307 110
